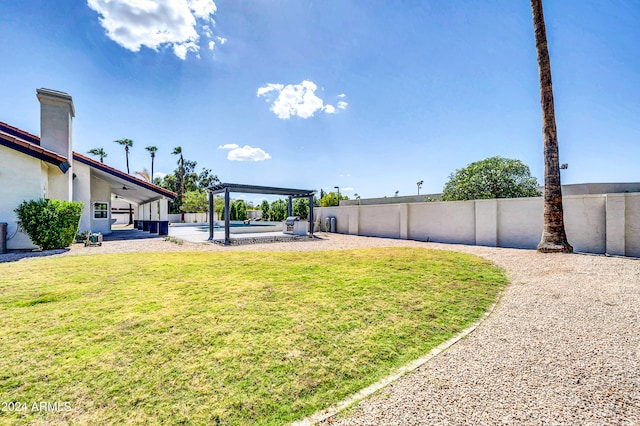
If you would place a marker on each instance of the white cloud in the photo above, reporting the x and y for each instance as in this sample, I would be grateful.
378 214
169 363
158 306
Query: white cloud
269 88
228 146
222 40
156 23
342 105
212 45
348 188
294 100
341 95
202 8
246 153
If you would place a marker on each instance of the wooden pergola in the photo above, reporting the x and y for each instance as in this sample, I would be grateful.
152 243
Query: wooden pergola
228 188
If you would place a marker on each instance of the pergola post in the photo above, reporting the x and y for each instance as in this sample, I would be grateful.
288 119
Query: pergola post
310 214
211 216
227 188
227 218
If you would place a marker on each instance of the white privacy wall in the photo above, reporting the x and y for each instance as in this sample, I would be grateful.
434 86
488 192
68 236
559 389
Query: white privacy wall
600 223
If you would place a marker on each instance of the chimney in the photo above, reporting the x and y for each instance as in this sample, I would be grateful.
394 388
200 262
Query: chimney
56 116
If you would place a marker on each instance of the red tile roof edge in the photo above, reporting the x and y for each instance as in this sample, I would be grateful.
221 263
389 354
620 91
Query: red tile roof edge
29 147
25 133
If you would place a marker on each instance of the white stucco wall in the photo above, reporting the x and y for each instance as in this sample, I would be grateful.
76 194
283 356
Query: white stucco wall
632 225
452 222
58 183
519 222
379 221
20 179
603 223
585 222
82 192
101 193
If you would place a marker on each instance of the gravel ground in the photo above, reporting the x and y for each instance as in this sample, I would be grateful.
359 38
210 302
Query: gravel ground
561 347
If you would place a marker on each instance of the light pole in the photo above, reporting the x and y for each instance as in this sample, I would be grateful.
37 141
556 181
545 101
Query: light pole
338 189
420 182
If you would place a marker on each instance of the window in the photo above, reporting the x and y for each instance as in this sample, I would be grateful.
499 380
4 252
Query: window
100 211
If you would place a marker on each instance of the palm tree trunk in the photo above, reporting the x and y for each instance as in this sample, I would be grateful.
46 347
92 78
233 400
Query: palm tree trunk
554 238
126 151
182 188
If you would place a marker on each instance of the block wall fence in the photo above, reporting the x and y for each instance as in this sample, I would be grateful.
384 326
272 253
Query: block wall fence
599 223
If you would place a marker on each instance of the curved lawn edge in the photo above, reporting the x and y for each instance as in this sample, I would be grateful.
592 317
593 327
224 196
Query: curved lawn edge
348 402
157 316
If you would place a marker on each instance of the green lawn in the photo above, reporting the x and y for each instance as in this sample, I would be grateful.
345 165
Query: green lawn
223 338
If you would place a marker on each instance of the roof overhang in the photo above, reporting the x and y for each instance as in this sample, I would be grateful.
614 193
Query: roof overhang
123 185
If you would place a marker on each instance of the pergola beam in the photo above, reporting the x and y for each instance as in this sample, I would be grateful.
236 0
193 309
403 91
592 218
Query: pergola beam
227 188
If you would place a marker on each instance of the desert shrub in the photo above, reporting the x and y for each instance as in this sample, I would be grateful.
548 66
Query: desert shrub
51 224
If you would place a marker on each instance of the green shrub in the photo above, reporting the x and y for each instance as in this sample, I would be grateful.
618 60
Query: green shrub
51 224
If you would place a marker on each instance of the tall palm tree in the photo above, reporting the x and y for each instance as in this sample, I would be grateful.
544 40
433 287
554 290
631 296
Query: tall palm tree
127 143
152 150
554 238
178 151
98 152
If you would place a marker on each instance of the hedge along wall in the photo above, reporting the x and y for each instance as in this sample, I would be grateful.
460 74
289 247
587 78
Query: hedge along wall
601 223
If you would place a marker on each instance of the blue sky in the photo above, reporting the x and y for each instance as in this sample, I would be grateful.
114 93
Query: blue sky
370 96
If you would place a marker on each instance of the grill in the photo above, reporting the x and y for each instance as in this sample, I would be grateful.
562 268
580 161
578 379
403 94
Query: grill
289 224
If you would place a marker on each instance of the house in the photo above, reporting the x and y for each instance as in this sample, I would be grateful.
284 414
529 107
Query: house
33 167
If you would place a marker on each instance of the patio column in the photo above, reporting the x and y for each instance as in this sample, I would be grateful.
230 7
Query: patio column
164 209
153 217
289 207
146 213
163 226
139 216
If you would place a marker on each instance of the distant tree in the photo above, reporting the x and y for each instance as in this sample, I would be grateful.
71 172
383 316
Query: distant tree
127 143
241 210
196 202
152 150
218 206
278 210
233 211
264 208
178 151
554 238
301 207
192 181
494 177
331 199
206 179
98 152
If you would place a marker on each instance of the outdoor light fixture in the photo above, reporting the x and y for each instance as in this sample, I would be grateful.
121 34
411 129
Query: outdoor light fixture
419 183
64 166
564 166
